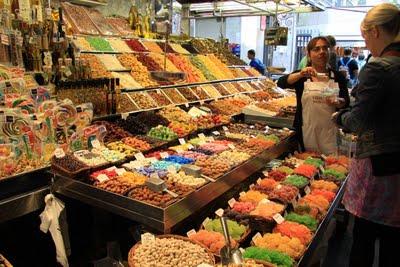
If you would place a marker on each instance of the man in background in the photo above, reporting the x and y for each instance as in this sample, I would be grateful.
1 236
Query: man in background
333 58
255 62
349 67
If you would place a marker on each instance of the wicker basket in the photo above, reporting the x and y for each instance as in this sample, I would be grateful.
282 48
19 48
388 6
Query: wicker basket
133 249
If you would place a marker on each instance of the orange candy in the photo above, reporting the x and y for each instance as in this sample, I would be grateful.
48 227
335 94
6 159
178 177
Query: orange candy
294 229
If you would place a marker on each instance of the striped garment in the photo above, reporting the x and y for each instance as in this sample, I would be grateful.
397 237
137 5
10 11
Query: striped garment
373 198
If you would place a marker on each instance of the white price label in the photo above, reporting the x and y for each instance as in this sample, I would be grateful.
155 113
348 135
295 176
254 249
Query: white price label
256 236
191 232
322 168
231 146
266 129
120 171
251 127
95 143
265 173
220 212
323 156
124 116
190 146
225 128
259 181
139 156
205 221
231 202
307 190
279 186
265 201
171 169
242 194
148 238
187 105
278 218
201 136
182 141
59 153
102 178
298 196
164 155
294 203
215 133
242 250
154 175
251 186
112 168
252 136
201 102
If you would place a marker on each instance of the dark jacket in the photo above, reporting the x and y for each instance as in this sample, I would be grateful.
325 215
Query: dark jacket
299 87
374 117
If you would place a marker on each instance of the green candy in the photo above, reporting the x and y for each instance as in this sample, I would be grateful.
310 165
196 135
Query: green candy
99 44
330 172
235 230
305 220
313 161
296 180
272 256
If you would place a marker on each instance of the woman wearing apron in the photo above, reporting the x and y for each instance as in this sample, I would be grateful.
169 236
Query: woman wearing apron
315 130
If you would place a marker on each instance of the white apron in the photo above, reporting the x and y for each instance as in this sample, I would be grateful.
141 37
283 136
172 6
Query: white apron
319 132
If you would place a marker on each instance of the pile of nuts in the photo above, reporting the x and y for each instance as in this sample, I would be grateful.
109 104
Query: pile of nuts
69 163
144 194
125 104
182 178
142 100
188 94
213 167
138 71
170 252
115 186
200 92
96 67
175 114
175 96
159 98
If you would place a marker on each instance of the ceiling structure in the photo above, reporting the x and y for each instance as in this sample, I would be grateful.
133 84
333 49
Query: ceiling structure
206 8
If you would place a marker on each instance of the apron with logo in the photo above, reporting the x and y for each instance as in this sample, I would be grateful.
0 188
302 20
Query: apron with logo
319 132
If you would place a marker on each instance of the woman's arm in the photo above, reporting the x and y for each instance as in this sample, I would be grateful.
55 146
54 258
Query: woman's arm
288 81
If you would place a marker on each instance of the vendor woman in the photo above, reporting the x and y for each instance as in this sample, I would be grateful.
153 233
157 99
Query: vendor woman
315 130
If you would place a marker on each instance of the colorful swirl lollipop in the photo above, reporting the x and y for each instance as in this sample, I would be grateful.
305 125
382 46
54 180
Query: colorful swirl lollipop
47 107
65 115
16 128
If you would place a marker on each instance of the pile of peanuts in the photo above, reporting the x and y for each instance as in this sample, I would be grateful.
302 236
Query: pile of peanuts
138 71
213 167
170 252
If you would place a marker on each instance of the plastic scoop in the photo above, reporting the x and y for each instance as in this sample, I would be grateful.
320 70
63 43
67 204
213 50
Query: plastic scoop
195 171
158 185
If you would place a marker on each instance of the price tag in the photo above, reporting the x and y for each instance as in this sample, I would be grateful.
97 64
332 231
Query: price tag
231 202
59 153
252 136
285 214
242 194
256 236
251 127
215 133
220 212
279 186
307 190
323 156
322 168
187 105
231 146
205 221
171 169
164 155
265 201
102 178
201 102
95 143
139 156
278 218
259 181
113 168
294 203
191 232
201 136
148 238
124 116
251 186
266 129
298 196
120 171
182 141
241 250
225 129
265 173
190 146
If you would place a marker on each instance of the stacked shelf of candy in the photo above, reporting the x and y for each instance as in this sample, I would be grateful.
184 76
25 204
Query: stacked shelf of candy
282 219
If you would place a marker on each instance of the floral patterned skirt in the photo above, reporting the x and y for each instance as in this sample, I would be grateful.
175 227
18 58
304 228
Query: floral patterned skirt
370 197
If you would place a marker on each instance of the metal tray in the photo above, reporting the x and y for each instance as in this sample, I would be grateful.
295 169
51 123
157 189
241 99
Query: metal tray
167 219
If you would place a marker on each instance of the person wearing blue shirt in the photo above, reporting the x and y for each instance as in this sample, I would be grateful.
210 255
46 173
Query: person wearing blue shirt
255 62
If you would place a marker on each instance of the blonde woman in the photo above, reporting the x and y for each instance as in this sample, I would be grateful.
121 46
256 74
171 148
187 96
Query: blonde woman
373 189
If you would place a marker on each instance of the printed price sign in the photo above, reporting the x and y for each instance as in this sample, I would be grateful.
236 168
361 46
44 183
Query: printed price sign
102 178
220 212
215 133
231 202
148 238
278 218
59 153
139 156
191 232
182 141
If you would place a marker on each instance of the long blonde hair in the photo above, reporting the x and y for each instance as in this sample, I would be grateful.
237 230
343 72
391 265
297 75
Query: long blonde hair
385 16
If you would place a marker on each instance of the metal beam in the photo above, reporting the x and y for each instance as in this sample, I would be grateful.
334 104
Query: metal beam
252 6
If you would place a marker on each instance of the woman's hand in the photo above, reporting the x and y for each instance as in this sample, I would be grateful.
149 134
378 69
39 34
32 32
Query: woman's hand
337 102
308 72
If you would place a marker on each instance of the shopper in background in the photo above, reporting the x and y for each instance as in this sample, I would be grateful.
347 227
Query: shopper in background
255 62
349 67
312 119
361 61
373 189
333 58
